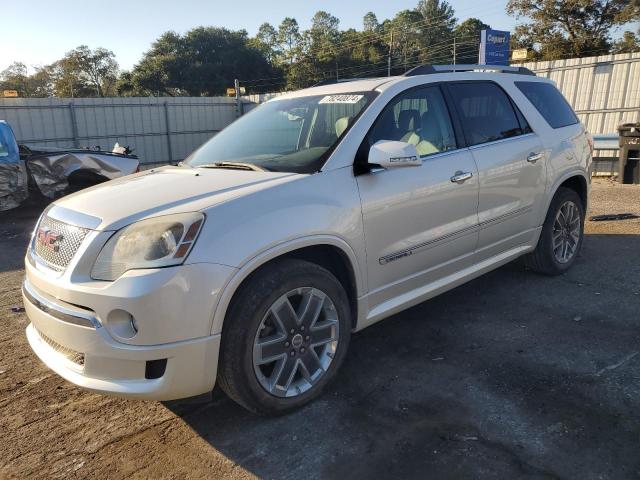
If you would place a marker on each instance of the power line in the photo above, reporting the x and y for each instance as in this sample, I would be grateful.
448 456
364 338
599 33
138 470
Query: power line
373 36
429 49
426 22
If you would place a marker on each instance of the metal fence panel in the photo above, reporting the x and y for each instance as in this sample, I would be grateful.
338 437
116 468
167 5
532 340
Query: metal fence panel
159 129
604 91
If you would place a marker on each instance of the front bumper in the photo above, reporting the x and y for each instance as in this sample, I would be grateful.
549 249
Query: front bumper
89 357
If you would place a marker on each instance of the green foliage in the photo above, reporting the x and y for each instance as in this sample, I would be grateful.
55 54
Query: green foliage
629 43
206 60
370 23
15 77
203 62
570 28
80 73
467 35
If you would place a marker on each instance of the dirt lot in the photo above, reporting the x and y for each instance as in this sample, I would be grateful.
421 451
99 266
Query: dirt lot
512 375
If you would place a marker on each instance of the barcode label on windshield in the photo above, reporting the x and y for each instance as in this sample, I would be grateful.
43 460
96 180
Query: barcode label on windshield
341 99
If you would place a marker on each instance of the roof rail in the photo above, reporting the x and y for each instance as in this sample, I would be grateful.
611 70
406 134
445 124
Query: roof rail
430 69
332 81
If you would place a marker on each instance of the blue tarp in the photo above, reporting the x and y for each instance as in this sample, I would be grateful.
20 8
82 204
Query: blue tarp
13 171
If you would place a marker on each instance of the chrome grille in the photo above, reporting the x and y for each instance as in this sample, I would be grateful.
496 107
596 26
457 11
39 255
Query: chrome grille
56 242
69 354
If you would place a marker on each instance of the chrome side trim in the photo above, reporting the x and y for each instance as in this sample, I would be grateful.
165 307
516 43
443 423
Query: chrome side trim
506 216
502 140
64 314
411 250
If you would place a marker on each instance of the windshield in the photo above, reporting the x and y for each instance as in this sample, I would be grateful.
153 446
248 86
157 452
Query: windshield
289 135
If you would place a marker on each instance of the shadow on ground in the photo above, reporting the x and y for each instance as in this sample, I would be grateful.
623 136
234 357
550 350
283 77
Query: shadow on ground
15 230
511 375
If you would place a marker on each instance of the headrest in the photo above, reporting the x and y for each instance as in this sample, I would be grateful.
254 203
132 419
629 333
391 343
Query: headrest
409 120
341 125
431 129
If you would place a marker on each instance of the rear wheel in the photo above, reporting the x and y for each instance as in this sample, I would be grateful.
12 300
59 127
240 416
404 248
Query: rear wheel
561 237
285 337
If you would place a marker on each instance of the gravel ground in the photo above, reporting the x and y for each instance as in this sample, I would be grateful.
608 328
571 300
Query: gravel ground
512 375
608 197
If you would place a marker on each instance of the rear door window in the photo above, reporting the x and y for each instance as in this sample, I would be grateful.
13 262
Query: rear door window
486 112
549 102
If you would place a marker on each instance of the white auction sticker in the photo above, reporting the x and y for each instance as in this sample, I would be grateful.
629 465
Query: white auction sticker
341 99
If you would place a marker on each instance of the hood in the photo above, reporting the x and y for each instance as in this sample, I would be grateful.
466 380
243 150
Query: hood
166 190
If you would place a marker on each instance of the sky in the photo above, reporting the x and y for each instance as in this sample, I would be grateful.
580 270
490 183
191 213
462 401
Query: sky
42 31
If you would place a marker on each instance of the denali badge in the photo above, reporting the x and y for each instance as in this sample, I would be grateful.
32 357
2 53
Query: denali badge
49 239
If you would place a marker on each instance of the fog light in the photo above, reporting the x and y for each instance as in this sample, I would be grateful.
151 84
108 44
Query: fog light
122 324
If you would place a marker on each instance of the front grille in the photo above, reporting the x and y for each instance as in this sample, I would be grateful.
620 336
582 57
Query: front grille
69 354
56 242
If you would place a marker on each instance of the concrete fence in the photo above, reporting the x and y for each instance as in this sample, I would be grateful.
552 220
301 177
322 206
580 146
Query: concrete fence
160 130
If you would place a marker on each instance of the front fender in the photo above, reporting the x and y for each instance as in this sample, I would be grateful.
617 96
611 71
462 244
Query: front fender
272 253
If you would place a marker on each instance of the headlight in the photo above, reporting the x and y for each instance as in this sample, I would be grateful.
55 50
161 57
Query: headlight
156 242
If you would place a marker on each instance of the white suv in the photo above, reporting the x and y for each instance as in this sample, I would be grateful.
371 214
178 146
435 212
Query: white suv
312 217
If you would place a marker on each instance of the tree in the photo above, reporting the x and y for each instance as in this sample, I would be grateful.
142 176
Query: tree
370 23
202 62
629 43
325 36
97 67
467 35
407 39
65 80
288 38
15 77
266 41
561 28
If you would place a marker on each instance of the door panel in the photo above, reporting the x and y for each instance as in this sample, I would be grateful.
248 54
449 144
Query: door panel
511 162
511 189
419 225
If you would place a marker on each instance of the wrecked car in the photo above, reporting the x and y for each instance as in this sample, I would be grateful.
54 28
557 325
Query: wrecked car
54 172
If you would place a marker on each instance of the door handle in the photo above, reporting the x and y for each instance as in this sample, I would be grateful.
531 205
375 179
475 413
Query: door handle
533 157
460 177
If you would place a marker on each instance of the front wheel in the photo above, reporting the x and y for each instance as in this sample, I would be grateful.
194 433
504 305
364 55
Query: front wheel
285 336
561 237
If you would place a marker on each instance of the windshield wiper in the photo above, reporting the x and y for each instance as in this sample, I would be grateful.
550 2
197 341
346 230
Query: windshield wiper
234 166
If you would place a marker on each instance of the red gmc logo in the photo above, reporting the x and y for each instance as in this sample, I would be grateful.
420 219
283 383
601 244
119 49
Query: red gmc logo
48 239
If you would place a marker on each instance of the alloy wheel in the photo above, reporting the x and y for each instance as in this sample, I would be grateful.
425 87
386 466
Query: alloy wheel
566 232
296 342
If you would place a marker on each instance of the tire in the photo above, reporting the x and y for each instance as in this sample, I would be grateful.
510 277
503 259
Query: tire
254 332
545 259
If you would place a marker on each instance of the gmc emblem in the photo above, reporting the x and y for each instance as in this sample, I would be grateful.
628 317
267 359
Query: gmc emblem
49 239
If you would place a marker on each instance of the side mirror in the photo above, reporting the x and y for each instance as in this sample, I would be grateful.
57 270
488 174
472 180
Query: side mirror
391 154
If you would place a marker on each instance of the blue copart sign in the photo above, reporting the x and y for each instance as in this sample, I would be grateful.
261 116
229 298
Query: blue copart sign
494 47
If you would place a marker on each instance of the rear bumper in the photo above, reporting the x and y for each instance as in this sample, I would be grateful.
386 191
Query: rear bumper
88 356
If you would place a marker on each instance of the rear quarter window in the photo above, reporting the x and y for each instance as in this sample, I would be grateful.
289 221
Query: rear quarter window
549 102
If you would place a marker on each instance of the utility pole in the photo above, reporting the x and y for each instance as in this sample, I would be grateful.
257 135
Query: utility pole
389 57
236 86
454 52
